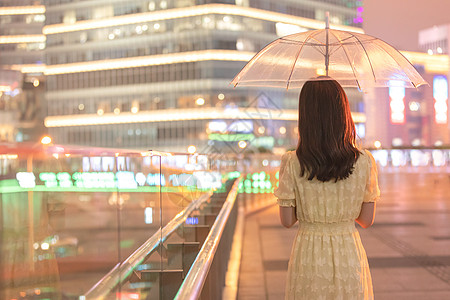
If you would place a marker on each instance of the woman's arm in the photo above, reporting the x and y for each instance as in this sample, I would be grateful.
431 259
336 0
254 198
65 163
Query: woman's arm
288 216
367 214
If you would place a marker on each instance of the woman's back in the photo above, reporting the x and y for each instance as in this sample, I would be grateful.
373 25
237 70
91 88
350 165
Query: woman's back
330 201
328 260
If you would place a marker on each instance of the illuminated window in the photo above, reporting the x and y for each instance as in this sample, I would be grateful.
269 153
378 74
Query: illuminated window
440 95
397 104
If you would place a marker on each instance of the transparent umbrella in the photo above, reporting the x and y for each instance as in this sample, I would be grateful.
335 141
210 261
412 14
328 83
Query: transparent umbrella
353 59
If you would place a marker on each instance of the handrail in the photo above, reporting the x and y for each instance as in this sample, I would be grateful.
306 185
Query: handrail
192 285
122 270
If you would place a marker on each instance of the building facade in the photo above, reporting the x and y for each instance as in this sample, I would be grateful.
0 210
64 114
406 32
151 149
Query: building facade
22 83
399 117
155 74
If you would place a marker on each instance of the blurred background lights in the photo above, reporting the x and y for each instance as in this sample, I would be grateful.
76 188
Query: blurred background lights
81 106
100 111
46 140
416 142
200 101
45 246
221 96
242 144
282 130
261 129
117 110
396 142
36 83
377 144
414 106
191 149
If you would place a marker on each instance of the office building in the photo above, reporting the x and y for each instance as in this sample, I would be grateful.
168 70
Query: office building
155 74
22 82
399 117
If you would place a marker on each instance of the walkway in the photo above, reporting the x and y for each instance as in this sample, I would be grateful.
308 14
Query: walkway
408 247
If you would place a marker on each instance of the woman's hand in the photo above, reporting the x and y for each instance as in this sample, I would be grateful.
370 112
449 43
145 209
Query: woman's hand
288 216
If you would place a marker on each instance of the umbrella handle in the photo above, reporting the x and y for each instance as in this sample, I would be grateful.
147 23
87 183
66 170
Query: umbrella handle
327 55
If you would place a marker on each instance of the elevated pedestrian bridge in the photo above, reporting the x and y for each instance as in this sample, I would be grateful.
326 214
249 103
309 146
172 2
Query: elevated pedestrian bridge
91 223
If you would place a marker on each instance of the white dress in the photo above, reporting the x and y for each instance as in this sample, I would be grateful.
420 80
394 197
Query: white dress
328 260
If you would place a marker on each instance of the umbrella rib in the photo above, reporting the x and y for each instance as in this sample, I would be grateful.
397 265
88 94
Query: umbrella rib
381 45
296 58
367 55
254 58
351 65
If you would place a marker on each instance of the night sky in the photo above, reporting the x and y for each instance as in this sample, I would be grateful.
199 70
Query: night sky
399 21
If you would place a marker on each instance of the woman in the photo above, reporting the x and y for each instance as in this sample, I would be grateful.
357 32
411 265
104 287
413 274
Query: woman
327 184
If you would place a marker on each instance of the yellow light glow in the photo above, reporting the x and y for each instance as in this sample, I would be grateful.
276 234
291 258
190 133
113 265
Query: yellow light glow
156 153
432 63
242 144
27 68
261 129
152 60
46 140
9 156
191 149
67 155
192 11
221 96
100 112
200 101
283 130
320 72
22 10
15 39
117 111
5 88
134 109
168 115
377 144
35 83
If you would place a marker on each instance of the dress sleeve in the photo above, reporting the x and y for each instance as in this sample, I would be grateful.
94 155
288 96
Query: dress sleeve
372 192
285 190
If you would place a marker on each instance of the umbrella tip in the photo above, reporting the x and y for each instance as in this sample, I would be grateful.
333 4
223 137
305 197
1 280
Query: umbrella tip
327 20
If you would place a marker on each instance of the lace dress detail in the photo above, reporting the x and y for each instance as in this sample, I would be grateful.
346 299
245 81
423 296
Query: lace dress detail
328 260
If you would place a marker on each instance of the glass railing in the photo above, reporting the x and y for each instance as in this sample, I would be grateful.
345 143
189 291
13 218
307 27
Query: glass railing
71 215
425 160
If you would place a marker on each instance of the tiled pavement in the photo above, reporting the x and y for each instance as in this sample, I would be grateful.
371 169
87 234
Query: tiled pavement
408 246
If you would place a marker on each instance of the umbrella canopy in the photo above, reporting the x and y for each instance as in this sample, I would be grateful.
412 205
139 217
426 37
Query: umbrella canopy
353 59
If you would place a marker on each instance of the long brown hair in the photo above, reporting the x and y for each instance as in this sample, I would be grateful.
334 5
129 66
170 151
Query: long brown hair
326 148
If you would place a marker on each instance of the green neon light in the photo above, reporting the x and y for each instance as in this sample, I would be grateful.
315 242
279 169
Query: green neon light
262 175
231 137
140 189
247 183
255 176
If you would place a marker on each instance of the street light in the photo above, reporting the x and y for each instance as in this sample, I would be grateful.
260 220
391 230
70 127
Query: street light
191 149
242 144
46 140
